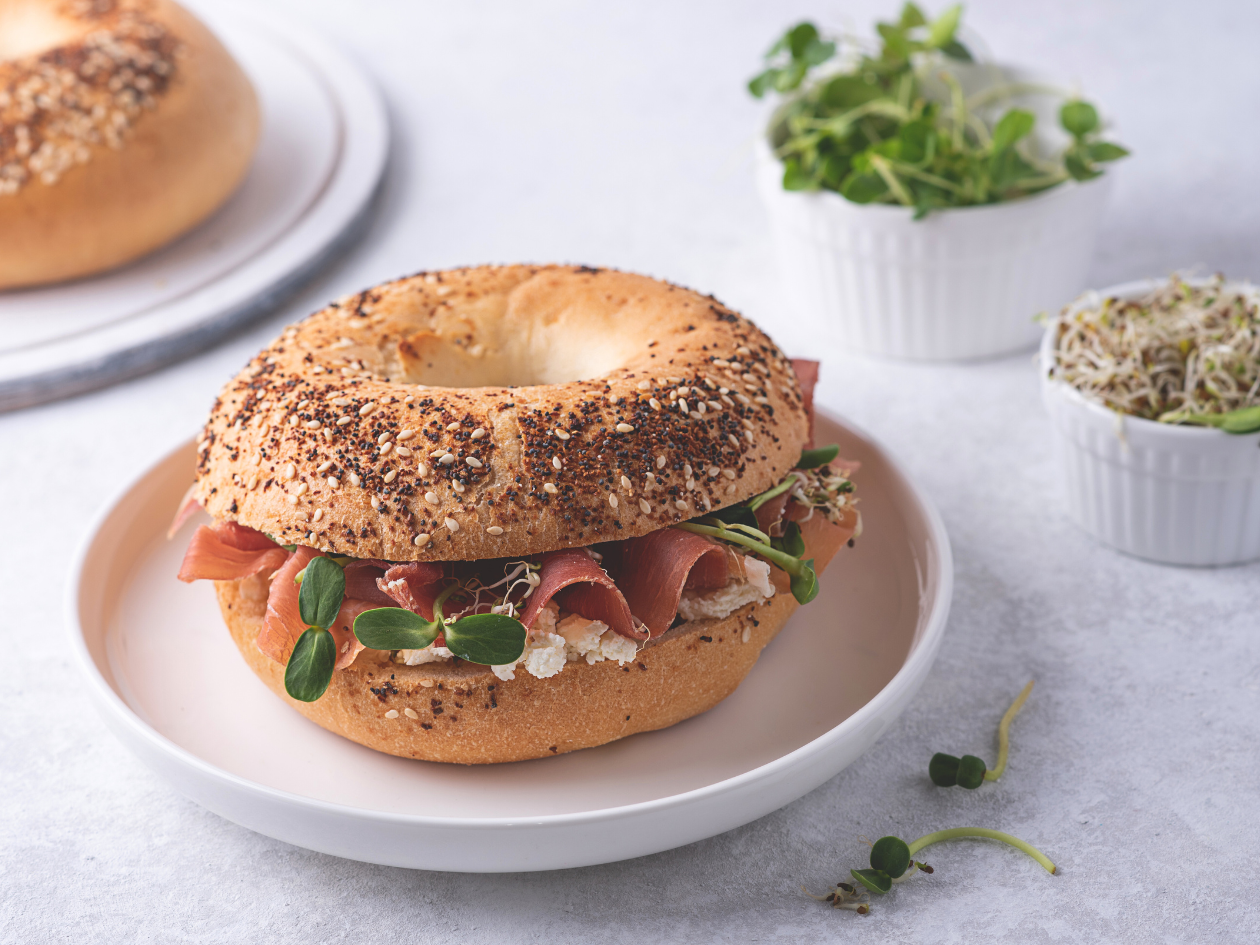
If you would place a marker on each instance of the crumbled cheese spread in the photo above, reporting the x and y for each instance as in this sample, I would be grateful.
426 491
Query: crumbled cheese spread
726 600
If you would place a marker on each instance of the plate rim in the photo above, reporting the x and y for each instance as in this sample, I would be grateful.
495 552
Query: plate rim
923 651
351 189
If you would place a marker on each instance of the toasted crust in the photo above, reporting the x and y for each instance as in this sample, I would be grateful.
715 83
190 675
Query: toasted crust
134 126
554 365
466 715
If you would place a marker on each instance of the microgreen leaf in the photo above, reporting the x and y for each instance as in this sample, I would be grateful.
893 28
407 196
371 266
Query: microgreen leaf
794 178
1078 118
1078 169
876 881
1244 420
488 639
1105 151
323 588
310 667
804 581
791 542
943 28
805 584
1012 126
970 772
818 456
762 83
890 855
912 16
737 515
956 50
393 628
863 187
943 769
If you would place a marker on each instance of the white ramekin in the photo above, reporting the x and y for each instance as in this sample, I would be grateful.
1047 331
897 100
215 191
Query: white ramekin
962 283
1173 494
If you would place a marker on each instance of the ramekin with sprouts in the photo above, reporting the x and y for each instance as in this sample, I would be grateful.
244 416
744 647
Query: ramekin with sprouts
1153 390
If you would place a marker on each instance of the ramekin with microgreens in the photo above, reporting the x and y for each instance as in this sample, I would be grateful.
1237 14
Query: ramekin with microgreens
1153 390
925 205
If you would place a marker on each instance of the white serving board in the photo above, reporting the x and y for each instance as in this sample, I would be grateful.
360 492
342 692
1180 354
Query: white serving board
323 147
168 680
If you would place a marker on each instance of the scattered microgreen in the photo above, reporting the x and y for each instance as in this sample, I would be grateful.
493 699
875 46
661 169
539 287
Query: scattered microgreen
488 639
790 542
322 587
803 580
819 456
895 127
892 861
969 771
1244 420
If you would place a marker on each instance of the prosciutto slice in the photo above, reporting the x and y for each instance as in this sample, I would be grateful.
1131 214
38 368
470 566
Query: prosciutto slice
361 582
654 570
227 552
188 506
583 588
413 586
807 377
283 624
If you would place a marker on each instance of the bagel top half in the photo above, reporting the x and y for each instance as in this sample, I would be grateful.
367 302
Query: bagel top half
500 411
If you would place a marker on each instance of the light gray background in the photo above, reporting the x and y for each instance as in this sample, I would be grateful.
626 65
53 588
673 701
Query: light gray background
619 135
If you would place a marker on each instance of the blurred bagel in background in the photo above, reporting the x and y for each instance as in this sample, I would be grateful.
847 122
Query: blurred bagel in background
123 124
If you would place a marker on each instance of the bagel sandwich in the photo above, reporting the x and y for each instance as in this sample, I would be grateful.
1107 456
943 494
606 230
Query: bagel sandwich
506 512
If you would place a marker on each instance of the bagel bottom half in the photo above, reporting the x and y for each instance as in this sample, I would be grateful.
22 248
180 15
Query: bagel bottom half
466 715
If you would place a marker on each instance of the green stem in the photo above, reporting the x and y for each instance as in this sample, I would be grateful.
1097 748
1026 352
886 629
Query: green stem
793 566
1004 734
440 600
758 501
886 172
959 832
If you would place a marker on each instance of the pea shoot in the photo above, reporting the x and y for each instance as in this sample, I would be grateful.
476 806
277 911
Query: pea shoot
488 639
969 771
895 126
893 861
310 666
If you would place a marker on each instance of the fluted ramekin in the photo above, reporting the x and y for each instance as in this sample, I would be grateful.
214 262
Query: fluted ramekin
1183 495
964 282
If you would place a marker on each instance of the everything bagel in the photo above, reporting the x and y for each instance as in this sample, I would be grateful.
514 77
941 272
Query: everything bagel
601 474
123 123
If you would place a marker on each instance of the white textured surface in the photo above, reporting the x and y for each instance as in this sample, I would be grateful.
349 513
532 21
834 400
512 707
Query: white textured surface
613 134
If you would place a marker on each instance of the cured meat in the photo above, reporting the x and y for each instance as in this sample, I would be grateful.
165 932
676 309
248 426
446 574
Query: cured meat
807 377
770 514
361 582
654 570
188 506
822 537
348 645
583 588
413 586
283 623
228 552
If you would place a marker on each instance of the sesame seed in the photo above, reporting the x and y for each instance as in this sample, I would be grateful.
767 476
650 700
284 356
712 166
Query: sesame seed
451 525
292 499
405 435
391 475
391 714
494 530
682 406
734 441
438 453
674 380
726 400
402 451
334 482
376 503
452 427
411 713
742 349
696 415
366 409
761 400
624 428
555 461
645 385
420 540
292 421
339 402
719 362
409 399
747 634
253 482
647 509
457 486
258 458
713 405
730 490
691 484
474 462
762 368
654 403
422 470
701 408
550 487
355 480
447 459
612 499
427 683
713 470
660 462
728 473
301 489
312 424
749 379
687 470
289 471
478 433
705 499
342 421
746 422
684 392
626 483
431 498
319 513
562 433
748 434
324 467
385 450
743 400
383 439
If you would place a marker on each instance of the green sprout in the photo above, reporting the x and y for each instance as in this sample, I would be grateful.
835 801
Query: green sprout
969 771
892 861
310 666
487 639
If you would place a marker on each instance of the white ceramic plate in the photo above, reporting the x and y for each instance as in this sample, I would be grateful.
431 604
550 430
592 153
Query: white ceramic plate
170 683
323 147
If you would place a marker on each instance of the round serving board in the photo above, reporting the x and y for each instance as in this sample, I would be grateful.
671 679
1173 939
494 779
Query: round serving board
321 153
169 681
